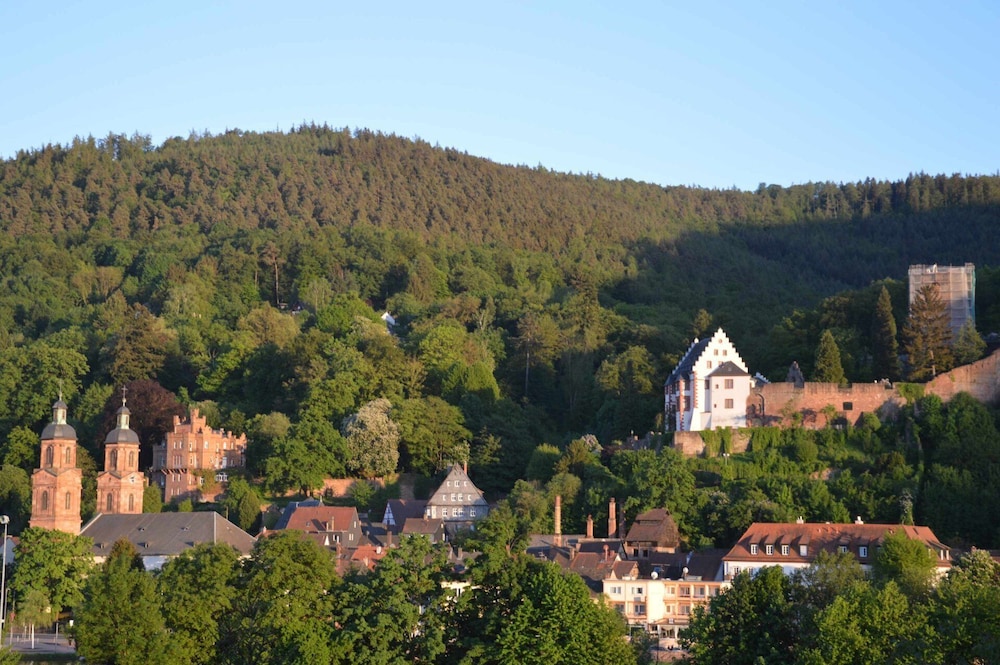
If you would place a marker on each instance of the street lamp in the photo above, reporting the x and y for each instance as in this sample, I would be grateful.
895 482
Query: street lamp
5 520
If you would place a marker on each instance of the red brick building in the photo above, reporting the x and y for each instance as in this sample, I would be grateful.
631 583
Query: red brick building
190 448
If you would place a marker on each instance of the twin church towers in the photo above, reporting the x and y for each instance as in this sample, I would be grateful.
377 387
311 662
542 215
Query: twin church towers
57 485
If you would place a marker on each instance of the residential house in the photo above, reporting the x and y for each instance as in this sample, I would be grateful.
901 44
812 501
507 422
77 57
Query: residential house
796 546
709 387
652 531
159 537
433 529
457 501
397 511
330 526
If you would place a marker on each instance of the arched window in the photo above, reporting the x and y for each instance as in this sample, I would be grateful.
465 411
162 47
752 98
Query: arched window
69 500
114 460
48 455
111 503
131 459
67 456
45 498
131 503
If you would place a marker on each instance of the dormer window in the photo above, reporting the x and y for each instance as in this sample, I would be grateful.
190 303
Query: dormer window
803 550
842 549
753 548
784 550
863 552
769 550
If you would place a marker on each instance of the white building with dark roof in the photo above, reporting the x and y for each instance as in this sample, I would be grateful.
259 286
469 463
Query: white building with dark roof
709 387
457 501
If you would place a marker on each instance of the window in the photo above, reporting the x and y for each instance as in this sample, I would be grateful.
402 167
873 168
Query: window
639 608
460 497
803 550
459 512
110 503
842 549
784 550
725 352
709 363
616 590
66 456
131 503
637 590
708 384
685 610
862 551
729 403
848 406
472 512
729 384
715 352
48 456
69 500
114 460
452 496
769 549
45 498
131 459
753 549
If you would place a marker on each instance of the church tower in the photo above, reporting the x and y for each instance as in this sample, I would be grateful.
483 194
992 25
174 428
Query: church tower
120 485
56 486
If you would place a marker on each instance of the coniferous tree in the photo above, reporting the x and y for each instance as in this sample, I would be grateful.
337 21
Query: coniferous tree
828 368
969 345
885 348
927 335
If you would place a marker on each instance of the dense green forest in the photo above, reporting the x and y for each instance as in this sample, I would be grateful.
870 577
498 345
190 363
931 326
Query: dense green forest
246 274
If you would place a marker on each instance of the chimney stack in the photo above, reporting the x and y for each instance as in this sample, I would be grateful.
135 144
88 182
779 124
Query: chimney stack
590 527
612 519
557 518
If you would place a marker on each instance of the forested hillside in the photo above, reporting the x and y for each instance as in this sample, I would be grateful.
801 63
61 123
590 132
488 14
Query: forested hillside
247 272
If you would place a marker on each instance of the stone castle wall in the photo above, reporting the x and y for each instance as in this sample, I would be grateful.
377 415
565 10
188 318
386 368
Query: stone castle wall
785 404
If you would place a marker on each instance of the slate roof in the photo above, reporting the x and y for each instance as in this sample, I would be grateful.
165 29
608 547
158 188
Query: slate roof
690 358
729 368
425 526
165 534
402 510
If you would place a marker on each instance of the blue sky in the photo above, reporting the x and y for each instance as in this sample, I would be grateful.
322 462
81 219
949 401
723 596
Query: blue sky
717 94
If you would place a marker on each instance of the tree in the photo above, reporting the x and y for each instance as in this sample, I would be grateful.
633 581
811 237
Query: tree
531 612
280 612
136 348
964 612
969 345
15 496
751 623
197 589
827 368
866 624
906 562
397 613
241 503
372 440
120 620
885 348
152 501
53 562
927 334
432 434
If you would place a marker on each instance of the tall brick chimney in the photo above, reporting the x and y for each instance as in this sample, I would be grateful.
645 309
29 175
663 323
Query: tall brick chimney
612 519
557 518
590 527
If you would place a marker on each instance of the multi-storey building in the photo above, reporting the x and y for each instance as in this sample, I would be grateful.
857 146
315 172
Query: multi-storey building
193 447
709 387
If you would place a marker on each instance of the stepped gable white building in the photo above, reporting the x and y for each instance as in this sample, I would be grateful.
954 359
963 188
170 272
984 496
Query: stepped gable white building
709 387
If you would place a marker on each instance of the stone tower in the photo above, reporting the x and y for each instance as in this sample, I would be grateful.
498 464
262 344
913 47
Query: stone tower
56 486
120 485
